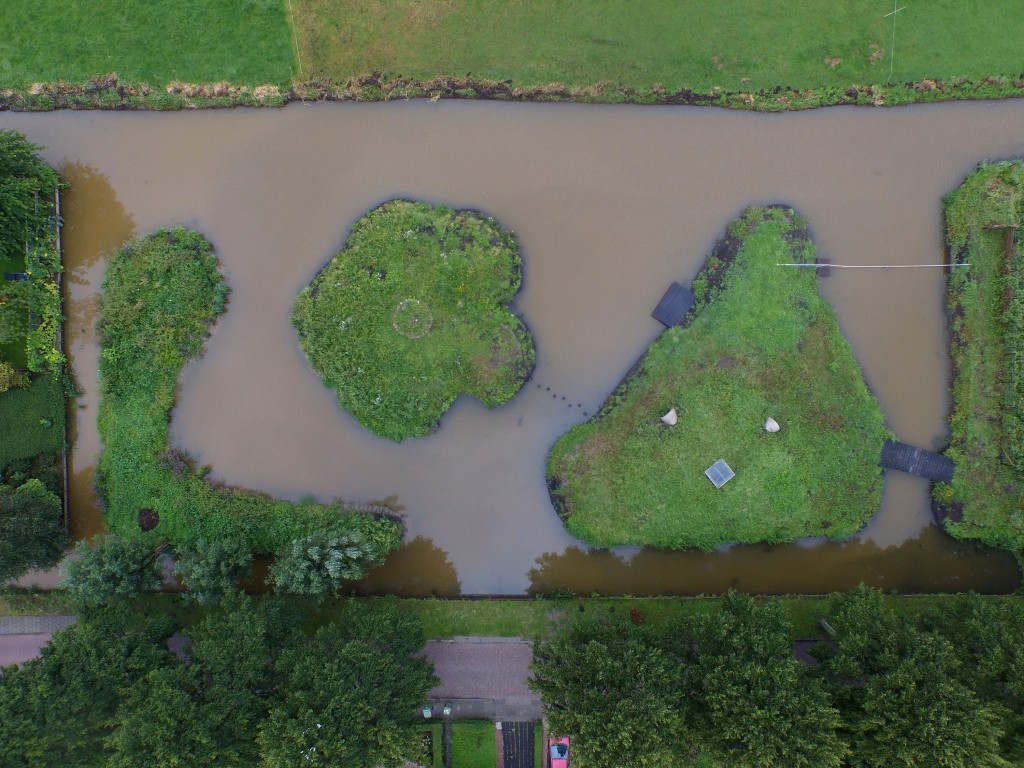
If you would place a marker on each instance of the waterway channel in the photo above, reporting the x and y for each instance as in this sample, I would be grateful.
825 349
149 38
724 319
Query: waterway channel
609 204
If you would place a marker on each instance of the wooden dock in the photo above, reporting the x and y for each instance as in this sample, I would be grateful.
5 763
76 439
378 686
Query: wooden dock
917 461
674 305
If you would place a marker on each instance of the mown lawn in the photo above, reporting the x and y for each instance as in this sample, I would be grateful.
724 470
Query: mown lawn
986 306
765 344
246 42
734 44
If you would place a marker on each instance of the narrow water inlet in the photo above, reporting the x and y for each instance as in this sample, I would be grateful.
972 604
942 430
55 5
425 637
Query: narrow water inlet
610 205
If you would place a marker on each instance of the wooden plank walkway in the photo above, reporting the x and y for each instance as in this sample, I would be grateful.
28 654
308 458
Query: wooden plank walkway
674 305
917 461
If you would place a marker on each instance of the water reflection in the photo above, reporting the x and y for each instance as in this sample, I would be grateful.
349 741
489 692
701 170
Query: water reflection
95 225
416 569
931 562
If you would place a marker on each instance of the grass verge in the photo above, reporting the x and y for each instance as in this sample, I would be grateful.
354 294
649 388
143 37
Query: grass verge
762 343
732 45
411 313
161 296
156 41
986 305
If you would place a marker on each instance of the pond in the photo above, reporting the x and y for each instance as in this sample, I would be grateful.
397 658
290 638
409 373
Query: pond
610 205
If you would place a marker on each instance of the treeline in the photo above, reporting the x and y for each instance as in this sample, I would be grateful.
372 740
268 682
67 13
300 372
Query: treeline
248 686
944 689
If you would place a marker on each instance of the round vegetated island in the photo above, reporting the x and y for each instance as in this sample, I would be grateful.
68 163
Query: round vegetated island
414 311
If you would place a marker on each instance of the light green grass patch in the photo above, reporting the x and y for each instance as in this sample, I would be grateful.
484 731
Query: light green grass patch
246 42
474 744
986 306
412 312
764 345
743 45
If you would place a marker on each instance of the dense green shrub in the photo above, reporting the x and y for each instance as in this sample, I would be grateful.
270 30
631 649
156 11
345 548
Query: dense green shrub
212 569
111 568
320 563
412 312
32 531
161 296
761 343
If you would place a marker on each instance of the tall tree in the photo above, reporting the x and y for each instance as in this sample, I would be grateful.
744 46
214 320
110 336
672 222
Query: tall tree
604 684
901 691
349 694
751 701
32 532
23 177
113 567
65 703
206 712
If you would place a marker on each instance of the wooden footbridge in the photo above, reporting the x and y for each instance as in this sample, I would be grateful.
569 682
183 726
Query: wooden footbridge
917 461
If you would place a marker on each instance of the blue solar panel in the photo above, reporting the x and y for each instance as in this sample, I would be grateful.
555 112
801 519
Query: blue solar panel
719 473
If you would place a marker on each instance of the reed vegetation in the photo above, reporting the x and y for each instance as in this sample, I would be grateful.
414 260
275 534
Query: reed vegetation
986 306
762 343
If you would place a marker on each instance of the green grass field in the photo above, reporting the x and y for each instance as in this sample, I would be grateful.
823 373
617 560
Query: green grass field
986 306
763 343
743 45
411 313
155 41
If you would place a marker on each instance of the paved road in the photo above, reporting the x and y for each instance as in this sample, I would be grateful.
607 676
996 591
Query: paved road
22 637
484 677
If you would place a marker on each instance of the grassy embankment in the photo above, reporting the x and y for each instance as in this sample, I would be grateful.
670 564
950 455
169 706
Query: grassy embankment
534 619
740 53
161 296
762 343
412 312
986 306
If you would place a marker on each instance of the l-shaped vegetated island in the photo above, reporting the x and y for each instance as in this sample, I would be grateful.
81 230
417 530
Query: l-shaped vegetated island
761 342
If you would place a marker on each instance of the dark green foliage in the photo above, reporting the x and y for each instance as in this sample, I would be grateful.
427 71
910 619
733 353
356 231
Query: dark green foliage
318 564
57 711
27 186
349 695
162 294
751 701
986 307
32 531
901 690
112 568
608 686
212 569
206 713
763 343
412 312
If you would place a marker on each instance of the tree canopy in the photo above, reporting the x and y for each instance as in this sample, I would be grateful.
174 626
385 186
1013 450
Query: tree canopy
32 531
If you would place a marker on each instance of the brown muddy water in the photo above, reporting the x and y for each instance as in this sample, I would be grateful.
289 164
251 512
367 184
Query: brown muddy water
610 204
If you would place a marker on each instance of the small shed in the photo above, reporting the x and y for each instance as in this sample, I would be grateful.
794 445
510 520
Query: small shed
674 305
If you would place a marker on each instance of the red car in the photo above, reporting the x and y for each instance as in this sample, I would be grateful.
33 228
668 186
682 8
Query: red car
558 752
